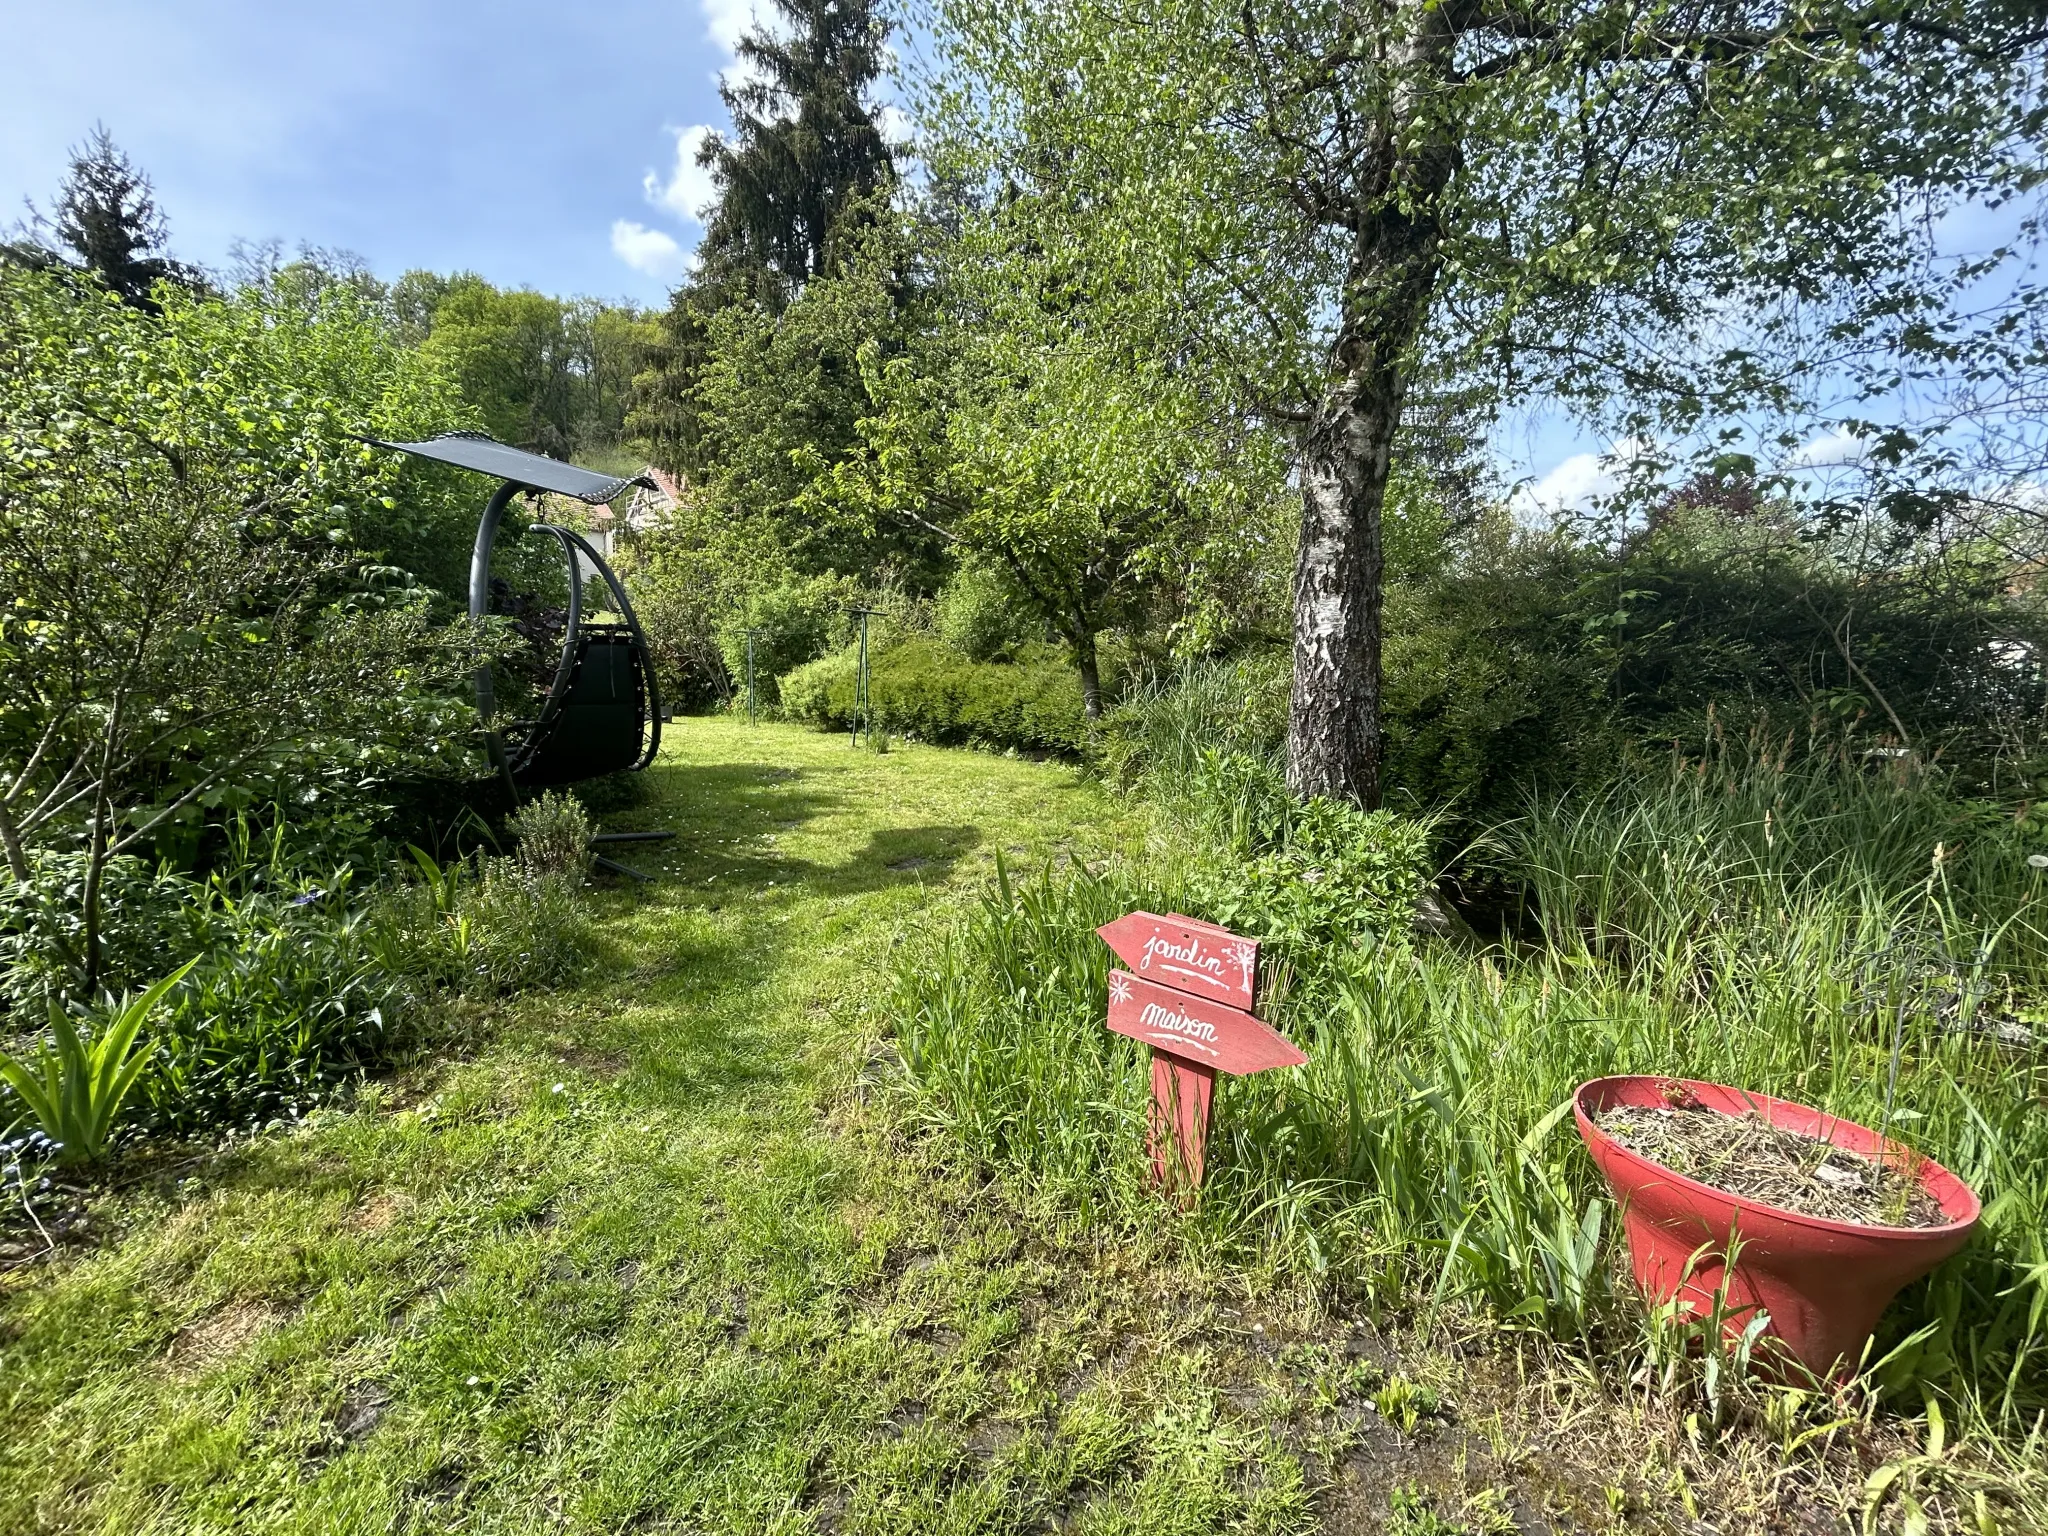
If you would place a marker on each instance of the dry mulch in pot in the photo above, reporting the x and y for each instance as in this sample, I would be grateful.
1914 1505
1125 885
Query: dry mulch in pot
1746 1155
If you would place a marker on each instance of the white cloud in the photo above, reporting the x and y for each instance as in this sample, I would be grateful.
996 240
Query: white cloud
1572 485
894 123
646 250
1576 483
727 21
1831 450
688 187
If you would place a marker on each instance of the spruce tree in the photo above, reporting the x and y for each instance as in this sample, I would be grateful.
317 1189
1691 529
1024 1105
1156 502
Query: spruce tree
804 145
805 153
107 219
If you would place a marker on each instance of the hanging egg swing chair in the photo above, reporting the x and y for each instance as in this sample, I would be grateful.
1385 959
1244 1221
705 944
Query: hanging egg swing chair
587 704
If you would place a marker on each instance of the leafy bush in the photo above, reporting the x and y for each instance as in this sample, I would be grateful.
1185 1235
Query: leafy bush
524 933
1334 876
554 837
978 615
925 689
203 609
295 989
143 932
795 621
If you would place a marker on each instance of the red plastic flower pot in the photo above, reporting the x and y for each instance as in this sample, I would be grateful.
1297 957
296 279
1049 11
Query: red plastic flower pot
1824 1283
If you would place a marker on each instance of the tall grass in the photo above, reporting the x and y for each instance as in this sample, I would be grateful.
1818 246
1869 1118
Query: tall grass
1426 1151
1153 741
1743 836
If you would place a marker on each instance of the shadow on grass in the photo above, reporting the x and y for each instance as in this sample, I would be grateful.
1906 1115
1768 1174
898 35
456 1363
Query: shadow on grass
726 816
680 1002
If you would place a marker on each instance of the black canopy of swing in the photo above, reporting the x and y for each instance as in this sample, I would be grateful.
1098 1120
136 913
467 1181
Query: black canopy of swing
529 471
602 712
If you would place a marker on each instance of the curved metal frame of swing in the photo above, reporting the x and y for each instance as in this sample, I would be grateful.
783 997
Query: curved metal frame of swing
549 715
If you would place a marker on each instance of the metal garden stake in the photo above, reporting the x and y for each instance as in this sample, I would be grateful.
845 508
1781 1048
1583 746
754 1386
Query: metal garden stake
860 681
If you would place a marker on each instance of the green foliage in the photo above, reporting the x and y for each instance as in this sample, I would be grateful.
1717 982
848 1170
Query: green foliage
1520 662
689 577
978 615
1307 877
923 689
1823 933
1311 876
196 623
282 1007
794 621
755 401
297 986
1155 740
1063 450
554 837
76 1089
549 374
1746 830
42 927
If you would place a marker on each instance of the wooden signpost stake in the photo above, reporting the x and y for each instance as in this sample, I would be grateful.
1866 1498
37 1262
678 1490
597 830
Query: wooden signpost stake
1188 995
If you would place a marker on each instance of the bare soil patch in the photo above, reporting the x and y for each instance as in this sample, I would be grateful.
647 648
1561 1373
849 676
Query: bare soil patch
220 1335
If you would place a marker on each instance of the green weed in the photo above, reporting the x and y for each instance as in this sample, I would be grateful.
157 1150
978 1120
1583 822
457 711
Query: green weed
77 1086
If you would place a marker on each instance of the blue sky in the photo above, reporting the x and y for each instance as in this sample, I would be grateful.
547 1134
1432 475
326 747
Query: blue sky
533 143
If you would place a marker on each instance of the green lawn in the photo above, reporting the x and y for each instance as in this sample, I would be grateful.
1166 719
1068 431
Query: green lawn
652 1254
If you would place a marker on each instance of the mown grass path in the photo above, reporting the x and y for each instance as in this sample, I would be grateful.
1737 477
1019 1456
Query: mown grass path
640 1257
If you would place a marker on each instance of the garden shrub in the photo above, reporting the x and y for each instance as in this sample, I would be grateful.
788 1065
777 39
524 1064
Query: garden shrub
143 931
924 689
1336 875
820 692
554 837
1304 876
794 621
979 616
282 1001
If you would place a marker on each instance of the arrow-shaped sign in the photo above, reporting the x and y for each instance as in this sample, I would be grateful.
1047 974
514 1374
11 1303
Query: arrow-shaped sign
1182 952
1214 1035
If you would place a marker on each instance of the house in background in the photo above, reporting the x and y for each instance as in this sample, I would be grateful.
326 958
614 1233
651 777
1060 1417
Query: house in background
638 512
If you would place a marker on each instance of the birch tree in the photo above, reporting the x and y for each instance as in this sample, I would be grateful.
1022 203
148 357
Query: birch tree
1660 212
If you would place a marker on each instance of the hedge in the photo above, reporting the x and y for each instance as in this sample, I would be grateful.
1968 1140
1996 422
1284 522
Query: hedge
927 690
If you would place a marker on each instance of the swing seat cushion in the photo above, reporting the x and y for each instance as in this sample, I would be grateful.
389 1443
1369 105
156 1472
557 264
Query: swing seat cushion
598 727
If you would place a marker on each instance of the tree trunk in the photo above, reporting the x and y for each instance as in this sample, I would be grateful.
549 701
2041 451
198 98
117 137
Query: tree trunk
95 876
10 840
1083 640
1333 731
1394 213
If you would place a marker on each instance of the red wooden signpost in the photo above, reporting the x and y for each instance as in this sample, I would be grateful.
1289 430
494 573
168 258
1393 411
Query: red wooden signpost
1188 995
